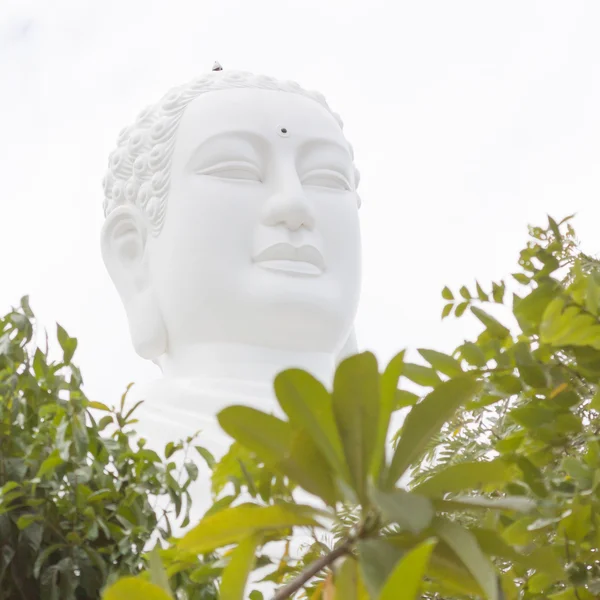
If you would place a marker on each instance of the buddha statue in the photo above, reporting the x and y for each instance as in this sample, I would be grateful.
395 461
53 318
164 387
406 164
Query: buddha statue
232 237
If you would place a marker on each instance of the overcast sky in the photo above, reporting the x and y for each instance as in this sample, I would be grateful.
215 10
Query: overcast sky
469 119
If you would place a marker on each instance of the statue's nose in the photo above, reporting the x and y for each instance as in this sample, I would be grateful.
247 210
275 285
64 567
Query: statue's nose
293 210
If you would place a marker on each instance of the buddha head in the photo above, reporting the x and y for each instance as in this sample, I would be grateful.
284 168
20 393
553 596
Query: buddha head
232 218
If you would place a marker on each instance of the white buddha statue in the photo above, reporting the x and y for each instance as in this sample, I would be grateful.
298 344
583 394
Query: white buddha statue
232 236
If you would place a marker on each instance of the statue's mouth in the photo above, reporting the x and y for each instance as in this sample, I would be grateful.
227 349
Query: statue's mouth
300 260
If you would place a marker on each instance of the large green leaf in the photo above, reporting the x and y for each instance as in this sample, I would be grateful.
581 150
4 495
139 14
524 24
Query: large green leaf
411 511
291 451
425 376
492 544
426 419
235 574
564 325
377 559
444 565
504 503
465 546
530 309
407 577
308 405
356 410
135 588
465 476
158 574
231 525
388 403
441 362
348 582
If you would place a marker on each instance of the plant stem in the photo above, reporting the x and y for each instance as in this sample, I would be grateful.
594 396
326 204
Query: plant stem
293 586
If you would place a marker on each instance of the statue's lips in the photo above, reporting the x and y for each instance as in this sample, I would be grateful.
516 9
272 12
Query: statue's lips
302 260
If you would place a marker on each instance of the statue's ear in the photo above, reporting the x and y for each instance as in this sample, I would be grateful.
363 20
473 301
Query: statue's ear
124 250
349 348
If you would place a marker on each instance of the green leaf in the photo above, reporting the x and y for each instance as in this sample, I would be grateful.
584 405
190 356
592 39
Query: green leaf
460 309
505 503
533 476
387 404
496 329
356 400
26 307
406 579
290 451
426 419
552 225
447 294
235 574
592 296
464 292
471 353
498 292
39 364
207 456
49 465
231 525
465 476
25 521
348 582
405 399
442 362
158 575
43 557
465 546
564 325
135 588
530 310
480 293
424 376
412 512
377 559
521 278
444 566
68 344
98 406
447 310
308 405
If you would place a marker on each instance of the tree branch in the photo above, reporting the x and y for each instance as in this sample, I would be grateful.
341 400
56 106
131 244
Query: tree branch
293 586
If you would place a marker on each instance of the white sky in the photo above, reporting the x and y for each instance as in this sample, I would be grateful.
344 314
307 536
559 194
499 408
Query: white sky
470 119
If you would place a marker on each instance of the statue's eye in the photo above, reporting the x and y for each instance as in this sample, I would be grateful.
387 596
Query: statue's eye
234 169
326 178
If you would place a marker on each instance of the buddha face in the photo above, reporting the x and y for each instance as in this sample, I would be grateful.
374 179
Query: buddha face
261 242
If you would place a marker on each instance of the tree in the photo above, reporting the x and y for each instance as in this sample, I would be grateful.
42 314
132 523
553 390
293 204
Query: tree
77 497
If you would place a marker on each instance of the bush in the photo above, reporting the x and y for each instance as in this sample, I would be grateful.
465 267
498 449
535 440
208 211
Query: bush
78 496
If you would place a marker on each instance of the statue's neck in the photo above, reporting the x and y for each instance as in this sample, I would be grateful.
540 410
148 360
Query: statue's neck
240 364
202 380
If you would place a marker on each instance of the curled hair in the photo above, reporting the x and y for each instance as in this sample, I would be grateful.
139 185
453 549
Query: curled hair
139 168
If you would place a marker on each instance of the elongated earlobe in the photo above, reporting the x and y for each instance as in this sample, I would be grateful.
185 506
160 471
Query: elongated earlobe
124 237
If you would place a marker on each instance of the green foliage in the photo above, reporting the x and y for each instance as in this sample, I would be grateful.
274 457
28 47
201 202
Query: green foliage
537 416
329 447
78 496
491 488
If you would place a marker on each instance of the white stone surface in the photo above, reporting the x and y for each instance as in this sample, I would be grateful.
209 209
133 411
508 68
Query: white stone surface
233 239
